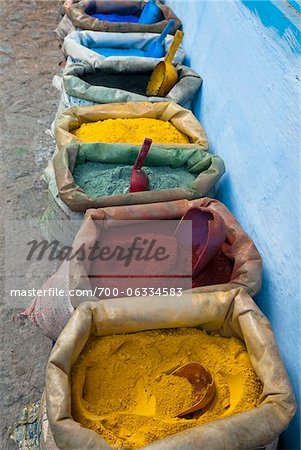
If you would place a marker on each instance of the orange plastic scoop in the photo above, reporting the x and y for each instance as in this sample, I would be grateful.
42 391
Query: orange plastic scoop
202 382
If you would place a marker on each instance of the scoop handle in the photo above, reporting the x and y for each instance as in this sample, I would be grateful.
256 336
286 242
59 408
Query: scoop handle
174 46
143 153
166 30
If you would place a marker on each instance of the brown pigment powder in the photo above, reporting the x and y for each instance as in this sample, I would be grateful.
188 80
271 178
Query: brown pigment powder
217 271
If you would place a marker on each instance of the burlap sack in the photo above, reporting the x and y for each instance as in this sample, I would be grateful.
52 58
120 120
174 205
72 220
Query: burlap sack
231 313
207 168
64 5
238 246
34 433
181 118
64 27
182 93
31 430
79 45
80 19
57 222
50 313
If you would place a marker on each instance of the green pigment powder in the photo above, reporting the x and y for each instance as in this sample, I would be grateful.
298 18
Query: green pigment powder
101 179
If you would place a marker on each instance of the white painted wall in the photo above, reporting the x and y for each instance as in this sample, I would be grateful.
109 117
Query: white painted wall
250 108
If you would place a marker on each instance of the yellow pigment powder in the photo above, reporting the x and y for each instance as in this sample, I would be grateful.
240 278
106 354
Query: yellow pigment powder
122 387
131 131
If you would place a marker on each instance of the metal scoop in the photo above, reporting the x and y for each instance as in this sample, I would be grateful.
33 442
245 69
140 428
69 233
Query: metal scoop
202 382
165 75
139 179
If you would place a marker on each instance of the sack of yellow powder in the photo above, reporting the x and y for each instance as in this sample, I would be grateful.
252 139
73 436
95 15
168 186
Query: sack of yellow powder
165 123
98 175
237 264
111 81
253 403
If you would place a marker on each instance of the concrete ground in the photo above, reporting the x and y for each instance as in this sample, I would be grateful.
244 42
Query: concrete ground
29 57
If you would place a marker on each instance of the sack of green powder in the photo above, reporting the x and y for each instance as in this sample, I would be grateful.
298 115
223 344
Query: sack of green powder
231 314
97 175
102 178
182 119
238 264
86 45
111 81
81 17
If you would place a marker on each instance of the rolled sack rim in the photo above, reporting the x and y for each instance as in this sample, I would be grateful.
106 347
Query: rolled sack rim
80 19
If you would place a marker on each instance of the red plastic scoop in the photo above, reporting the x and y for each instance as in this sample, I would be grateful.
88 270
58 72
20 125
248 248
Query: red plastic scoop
208 235
139 179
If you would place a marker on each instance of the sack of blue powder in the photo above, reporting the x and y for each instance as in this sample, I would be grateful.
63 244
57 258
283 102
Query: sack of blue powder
96 175
101 15
85 45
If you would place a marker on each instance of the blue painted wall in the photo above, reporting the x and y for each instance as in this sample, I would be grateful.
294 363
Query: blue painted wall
247 54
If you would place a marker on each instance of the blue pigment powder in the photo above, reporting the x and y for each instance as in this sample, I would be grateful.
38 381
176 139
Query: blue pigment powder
114 51
101 179
116 17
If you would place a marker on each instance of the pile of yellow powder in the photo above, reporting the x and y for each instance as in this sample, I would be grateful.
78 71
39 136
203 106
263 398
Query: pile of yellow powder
122 387
131 131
